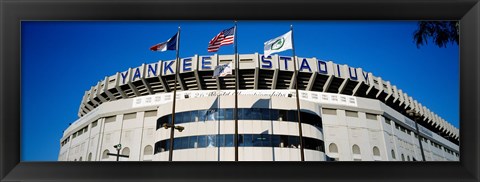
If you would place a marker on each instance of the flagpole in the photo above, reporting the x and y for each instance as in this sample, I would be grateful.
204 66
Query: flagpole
236 94
177 68
295 74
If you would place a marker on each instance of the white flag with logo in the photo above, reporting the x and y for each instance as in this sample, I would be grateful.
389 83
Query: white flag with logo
222 70
278 44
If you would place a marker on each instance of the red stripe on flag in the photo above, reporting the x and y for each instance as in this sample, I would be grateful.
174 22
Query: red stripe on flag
220 40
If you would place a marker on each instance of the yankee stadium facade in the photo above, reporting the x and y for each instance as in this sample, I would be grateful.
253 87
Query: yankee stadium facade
347 114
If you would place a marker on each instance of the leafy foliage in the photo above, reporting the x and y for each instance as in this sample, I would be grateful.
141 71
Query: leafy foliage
442 32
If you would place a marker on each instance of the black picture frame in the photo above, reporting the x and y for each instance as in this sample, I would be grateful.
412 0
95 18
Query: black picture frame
13 12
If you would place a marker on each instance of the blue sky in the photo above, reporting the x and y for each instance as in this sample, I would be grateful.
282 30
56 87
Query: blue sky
61 60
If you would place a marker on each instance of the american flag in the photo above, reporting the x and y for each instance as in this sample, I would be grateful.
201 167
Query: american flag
225 37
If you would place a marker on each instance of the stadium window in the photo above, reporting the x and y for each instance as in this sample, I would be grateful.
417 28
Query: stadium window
80 132
202 115
408 157
176 143
266 140
293 142
184 142
241 113
188 117
202 142
161 121
284 141
276 142
393 154
211 141
179 119
356 153
167 145
110 119
313 144
211 115
376 151
371 116
282 115
105 154
274 114
192 142
351 113
329 111
257 140
152 113
74 135
311 119
403 157
89 157
247 140
163 146
355 149
332 148
126 151
80 159
229 114
265 114
221 140
228 140
130 116
221 114
255 114
291 116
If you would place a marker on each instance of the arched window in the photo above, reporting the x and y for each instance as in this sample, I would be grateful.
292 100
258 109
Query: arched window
376 151
355 149
333 148
90 156
75 160
356 153
104 154
393 154
403 158
408 157
148 150
126 151
147 153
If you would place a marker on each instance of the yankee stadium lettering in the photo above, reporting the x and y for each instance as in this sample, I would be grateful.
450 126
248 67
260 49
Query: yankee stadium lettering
272 62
